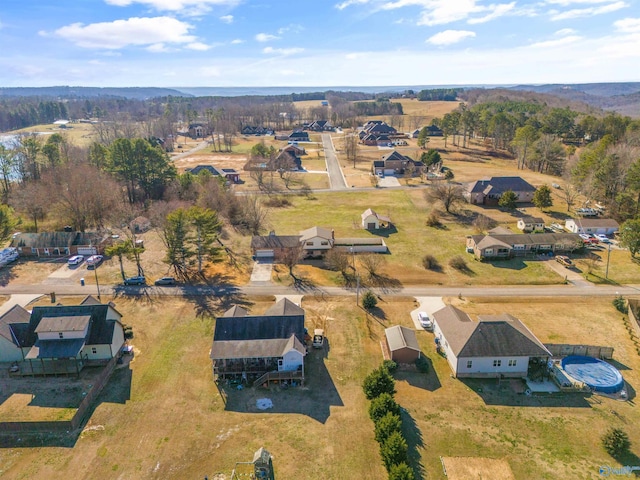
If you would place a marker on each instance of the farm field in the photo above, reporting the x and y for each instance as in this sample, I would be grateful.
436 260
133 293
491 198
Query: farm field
163 416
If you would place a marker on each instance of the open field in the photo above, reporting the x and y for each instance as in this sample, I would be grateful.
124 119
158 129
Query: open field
81 134
163 417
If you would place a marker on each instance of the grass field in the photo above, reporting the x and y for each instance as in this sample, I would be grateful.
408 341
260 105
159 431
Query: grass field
80 134
163 417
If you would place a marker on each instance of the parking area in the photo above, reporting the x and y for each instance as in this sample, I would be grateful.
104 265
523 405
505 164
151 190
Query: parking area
430 305
388 181
262 271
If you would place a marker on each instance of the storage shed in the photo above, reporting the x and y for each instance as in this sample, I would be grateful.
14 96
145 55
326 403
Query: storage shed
403 344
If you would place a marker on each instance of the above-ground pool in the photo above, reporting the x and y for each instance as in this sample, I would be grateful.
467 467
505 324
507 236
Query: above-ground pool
595 373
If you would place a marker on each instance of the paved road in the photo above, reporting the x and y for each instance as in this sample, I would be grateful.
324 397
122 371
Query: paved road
336 178
201 146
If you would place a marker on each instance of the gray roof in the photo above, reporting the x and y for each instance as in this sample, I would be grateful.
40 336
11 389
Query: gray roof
90 300
316 232
527 239
262 327
492 336
284 307
528 219
11 321
491 241
275 241
500 185
395 155
500 231
76 323
399 337
266 348
596 222
66 348
236 311
56 239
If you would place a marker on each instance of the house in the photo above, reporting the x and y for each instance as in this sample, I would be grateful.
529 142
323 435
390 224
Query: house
434 131
606 226
298 136
251 346
372 221
273 246
285 160
47 244
415 133
140 224
395 163
62 339
316 241
402 343
253 130
377 127
531 224
319 126
230 174
493 347
519 244
199 130
488 192
295 149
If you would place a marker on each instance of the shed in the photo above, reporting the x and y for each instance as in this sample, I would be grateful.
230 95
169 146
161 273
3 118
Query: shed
403 344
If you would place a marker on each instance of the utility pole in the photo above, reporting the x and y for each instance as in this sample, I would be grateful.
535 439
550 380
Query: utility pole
606 272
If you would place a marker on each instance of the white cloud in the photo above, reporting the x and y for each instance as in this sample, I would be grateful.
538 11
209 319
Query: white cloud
237 41
226 19
175 5
293 28
558 42
265 37
348 3
587 12
282 51
628 25
496 11
198 46
566 3
449 37
123 33
158 48
564 32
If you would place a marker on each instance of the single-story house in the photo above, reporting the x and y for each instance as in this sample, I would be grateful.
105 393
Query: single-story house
489 192
519 244
531 224
231 174
319 126
257 130
61 339
434 131
316 241
60 243
493 347
606 226
273 246
402 343
253 345
372 221
298 136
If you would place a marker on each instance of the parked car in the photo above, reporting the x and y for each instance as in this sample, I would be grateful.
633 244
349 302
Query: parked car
75 260
425 321
135 281
556 227
603 238
588 239
318 338
564 260
94 260
165 281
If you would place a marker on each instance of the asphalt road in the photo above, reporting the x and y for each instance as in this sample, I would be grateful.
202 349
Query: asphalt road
336 178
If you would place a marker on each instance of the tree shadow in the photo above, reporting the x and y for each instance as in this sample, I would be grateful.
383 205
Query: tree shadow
415 442
511 264
426 381
304 284
7 274
466 270
627 460
214 295
384 232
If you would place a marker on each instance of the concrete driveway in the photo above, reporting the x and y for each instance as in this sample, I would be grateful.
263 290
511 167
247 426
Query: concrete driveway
427 304
388 181
261 271
570 274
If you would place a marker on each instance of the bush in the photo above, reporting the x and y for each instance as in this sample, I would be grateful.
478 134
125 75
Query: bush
389 365
401 471
448 175
382 405
430 262
433 220
422 364
278 202
369 300
458 263
620 304
394 450
616 442
378 382
386 426
128 331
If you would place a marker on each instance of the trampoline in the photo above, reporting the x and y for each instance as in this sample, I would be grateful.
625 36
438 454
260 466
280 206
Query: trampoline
597 374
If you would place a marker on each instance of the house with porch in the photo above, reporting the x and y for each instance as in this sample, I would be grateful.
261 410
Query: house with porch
249 347
496 346
60 339
493 246
606 226
46 244
489 192
531 224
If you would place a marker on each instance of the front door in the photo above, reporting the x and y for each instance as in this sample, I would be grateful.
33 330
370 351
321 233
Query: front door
280 364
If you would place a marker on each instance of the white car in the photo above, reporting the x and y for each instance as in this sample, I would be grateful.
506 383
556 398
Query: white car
425 321
94 260
603 238
75 260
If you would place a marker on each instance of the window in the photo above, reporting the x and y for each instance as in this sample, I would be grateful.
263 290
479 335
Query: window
469 363
94 350
324 242
497 363
310 244
61 335
512 363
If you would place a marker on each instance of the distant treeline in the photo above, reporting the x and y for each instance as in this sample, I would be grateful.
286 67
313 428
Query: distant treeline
379 107
446 94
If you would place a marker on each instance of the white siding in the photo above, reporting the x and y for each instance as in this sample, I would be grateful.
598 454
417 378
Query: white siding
65 335
315 243
484 366
292 360
103 352
112 314
118 339
8 351
451 358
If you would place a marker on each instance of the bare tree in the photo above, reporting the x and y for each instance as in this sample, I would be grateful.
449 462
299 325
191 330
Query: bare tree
351 147
292 257
254 214
372 263
569 194
337 260
450 194
34 199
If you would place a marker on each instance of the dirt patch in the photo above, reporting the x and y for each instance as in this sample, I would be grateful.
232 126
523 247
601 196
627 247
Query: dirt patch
475 468
218 160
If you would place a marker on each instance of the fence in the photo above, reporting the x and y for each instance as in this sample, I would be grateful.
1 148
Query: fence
634 308
564 350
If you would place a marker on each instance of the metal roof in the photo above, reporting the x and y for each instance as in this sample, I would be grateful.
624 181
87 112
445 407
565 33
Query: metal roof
399 337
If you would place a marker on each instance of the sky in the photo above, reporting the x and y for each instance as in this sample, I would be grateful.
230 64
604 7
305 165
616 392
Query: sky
234 43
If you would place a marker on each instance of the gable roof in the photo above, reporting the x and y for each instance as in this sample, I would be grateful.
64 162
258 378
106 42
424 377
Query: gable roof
11 321
529 219
236 311
284 307
90 300
227 349
492 336
596 222
275 241
498 185
259 327
395 155
316 232
399 337
368 212
527 239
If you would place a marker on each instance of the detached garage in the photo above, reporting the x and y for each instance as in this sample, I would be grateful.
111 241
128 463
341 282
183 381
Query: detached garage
403 344
273 246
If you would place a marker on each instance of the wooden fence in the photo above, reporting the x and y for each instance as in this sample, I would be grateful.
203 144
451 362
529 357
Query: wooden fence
634 309
564 350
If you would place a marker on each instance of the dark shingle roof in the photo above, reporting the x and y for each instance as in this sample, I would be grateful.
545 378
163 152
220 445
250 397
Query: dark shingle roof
255 348
67 348
259 327
395 156
275 241
499 185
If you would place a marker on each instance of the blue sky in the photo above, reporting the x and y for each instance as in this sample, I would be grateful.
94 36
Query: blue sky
317 42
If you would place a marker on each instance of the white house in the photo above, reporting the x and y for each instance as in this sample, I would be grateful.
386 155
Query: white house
531 224
372 221
316 241
606 226
493 347
12 323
